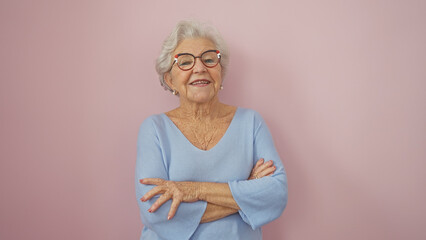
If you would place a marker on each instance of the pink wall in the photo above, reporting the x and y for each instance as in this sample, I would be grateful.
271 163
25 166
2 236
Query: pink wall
342 85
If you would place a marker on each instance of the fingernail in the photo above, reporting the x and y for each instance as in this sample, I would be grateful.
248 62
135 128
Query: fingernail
169 217
141 180
142 199
149 210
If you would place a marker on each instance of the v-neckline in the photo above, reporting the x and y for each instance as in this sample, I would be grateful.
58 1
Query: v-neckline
190 143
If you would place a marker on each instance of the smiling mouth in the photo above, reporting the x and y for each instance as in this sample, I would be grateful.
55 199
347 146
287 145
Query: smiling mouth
200 82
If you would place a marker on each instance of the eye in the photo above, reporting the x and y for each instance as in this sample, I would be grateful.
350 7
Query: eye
185 63
209 60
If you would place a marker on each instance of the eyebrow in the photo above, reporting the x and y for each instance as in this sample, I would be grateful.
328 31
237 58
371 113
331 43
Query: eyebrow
185 53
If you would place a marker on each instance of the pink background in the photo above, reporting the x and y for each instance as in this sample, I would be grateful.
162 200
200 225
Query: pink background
342 85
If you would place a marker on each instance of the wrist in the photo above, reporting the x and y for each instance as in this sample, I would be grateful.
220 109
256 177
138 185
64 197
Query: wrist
201 191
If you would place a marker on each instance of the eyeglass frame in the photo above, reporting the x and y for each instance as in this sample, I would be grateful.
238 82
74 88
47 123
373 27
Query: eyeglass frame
180 54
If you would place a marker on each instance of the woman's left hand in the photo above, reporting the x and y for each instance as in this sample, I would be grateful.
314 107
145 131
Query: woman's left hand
177 191
262 169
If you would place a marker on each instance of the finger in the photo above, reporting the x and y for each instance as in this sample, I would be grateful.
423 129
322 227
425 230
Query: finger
152 181
266 172
263 167
151 193
256 166
173 208
258 163
160 201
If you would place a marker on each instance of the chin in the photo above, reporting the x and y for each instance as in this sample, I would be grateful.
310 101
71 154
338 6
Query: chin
202 98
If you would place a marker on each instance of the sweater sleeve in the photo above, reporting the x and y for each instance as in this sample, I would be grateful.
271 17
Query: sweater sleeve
262 200
150 163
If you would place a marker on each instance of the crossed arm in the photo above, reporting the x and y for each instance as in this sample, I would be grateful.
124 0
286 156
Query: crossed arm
218 196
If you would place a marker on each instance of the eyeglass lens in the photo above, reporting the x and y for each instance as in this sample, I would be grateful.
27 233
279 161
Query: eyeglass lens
187 61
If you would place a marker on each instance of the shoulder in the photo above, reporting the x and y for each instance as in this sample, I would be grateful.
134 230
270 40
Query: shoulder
249 119
152 123
248 114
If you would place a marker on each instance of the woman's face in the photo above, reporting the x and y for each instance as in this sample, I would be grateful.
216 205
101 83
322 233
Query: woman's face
187 83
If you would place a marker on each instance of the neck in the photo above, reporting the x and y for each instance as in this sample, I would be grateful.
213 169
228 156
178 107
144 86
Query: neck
200 111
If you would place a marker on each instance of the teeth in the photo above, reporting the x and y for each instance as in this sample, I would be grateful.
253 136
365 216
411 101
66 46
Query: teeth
200 82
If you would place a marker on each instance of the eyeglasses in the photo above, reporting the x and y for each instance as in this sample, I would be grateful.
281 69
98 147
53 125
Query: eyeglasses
186 61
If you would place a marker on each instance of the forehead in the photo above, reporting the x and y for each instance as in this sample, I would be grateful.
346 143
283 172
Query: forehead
195 46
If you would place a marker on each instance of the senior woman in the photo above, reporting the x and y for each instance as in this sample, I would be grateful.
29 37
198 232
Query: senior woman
205 170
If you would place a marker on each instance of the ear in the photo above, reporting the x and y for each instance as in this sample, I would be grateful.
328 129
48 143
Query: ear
168 80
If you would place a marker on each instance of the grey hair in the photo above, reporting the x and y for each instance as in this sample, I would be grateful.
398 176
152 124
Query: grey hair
183 30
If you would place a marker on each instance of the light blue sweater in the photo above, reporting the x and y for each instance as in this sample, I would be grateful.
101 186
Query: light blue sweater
164 152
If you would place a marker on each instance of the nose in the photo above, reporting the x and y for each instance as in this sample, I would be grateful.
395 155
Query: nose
199 66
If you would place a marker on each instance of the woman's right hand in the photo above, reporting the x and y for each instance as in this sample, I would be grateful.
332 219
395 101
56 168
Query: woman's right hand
262 169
